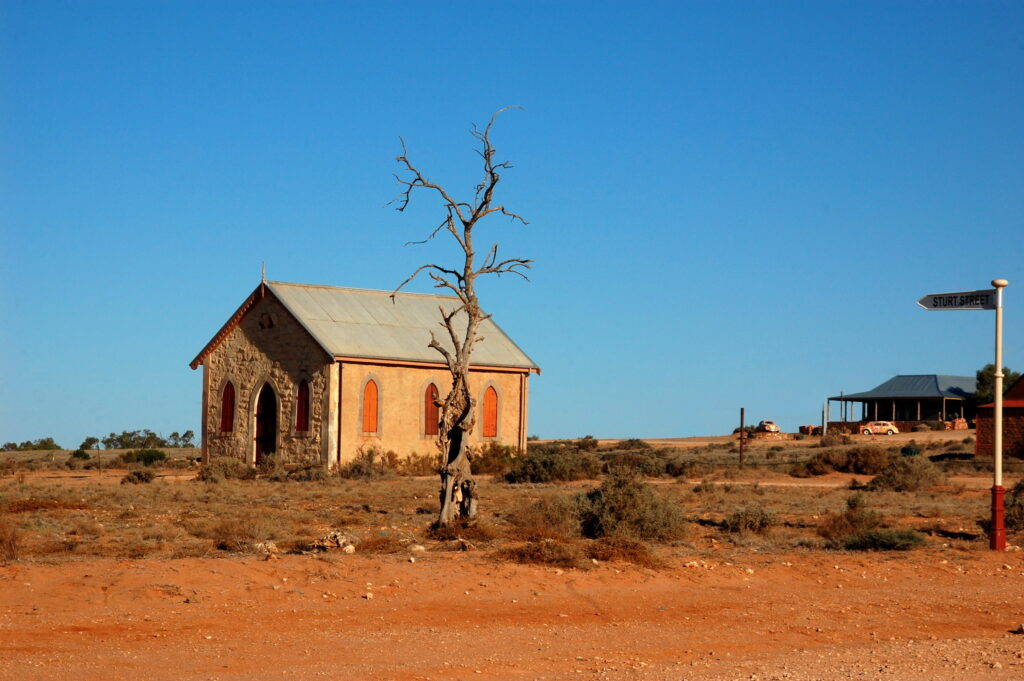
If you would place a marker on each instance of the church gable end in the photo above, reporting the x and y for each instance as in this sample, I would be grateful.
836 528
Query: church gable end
265 345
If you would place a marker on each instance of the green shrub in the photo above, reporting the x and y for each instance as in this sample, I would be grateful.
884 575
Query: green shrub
553 464
641 463
138 477
910 449
632 443
147 457
80 454
857 518
368 464
225 468
752 519
420 464
624 505
907 474
492 458
884 540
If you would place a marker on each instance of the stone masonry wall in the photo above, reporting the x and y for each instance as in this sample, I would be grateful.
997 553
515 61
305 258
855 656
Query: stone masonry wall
1013 432
268 345
401 398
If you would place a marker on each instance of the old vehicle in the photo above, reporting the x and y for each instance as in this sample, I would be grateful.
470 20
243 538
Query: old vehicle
767 427
879 427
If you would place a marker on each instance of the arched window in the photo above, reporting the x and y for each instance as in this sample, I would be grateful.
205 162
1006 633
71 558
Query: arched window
227 408
430 410
490 412
302 407
370 421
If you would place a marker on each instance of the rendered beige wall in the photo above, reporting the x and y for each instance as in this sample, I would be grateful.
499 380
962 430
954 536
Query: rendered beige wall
401 395
282 355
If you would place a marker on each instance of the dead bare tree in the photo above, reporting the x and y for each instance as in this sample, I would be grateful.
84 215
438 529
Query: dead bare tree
457 412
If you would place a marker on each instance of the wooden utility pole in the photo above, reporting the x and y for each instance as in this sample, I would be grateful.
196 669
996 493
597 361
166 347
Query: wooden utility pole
743 436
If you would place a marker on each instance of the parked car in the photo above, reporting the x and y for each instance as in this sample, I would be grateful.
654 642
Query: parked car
767 427
879 427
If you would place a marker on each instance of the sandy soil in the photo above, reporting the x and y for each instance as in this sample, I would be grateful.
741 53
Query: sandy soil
930 615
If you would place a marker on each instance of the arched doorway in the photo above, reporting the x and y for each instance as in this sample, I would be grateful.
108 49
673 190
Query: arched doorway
266 423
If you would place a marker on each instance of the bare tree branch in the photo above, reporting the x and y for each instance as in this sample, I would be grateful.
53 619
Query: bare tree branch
457 413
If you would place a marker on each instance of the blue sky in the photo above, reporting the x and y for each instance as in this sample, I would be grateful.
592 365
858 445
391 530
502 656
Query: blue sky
731 204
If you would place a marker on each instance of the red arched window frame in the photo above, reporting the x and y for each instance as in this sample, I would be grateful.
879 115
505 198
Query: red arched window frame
370 421
227 408
302 407
430 410
490 412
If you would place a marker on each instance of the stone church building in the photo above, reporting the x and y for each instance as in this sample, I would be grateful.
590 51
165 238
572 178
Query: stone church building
308 372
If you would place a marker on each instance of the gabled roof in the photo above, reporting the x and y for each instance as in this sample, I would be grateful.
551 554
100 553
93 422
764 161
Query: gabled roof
917 386
363 324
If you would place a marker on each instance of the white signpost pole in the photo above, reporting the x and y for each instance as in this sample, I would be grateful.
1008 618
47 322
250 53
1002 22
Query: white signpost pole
997 542
990 299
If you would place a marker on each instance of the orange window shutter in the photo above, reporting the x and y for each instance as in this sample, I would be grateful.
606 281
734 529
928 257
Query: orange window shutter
370 407
491 412
430 414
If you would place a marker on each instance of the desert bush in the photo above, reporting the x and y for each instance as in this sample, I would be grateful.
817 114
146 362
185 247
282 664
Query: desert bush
587 443
225 468
420 464
907 474
857 518
553 517
545 552
910 449
9 539
381 543
834 440
469 530
492 458
624 550
147 457
553 464
642 463
235 534
624 505
884 540
751 519
632 443
705 486
369 464
1013 505
862 459
138 477
80 454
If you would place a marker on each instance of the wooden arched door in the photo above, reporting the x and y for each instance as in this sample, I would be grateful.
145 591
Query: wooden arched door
266 423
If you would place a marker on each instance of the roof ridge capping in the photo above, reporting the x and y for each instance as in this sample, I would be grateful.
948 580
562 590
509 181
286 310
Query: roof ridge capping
354 289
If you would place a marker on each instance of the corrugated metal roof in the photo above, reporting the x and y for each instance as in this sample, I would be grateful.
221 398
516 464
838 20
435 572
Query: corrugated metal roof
359 323
923 385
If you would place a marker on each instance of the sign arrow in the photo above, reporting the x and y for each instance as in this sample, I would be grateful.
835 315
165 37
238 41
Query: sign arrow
960 300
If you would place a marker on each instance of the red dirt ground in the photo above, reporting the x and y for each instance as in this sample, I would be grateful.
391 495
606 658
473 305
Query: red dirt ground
927 615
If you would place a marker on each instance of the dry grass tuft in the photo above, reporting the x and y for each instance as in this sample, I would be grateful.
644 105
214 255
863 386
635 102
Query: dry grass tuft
9 539
624 550
546 552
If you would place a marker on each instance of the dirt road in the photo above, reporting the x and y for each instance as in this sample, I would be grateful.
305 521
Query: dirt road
939 614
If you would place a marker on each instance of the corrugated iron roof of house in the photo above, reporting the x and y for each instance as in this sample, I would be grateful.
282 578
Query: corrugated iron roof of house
367 324
919 385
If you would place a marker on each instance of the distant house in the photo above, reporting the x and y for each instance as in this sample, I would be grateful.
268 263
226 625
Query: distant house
318 373
910 399
1013 424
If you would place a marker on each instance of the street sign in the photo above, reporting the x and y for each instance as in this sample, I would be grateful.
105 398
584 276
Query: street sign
960 300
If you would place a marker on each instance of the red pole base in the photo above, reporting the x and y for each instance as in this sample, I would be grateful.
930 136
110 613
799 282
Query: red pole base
997 541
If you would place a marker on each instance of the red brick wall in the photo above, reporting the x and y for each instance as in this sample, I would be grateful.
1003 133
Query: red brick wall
1013 432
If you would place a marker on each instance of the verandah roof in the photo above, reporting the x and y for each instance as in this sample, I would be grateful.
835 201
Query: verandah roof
921 386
